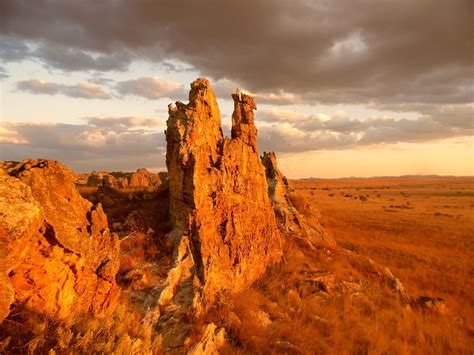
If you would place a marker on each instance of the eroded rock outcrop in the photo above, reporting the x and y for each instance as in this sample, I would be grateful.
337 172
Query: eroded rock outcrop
96 179
140 178
218 192
143 177
58 256
290 220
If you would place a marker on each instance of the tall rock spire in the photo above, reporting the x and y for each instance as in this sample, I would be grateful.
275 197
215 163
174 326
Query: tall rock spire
218 192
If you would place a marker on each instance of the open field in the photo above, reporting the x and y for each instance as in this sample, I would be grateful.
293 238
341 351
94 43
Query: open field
422 228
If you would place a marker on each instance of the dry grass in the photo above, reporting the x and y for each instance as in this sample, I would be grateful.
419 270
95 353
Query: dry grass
121 333
302 204
305 321
422 229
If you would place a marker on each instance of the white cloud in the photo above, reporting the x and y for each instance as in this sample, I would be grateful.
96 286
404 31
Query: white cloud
84 90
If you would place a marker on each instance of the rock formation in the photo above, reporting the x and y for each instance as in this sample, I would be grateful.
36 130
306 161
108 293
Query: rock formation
143 177
218 192
140 178
58 257
96 179
290 220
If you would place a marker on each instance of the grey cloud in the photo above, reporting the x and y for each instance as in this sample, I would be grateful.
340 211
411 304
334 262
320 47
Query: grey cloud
3 73
13 50
73 59
86 147
311 51
292 132
38 87
151 88
124 122
175 66
225 87
83 90
118 143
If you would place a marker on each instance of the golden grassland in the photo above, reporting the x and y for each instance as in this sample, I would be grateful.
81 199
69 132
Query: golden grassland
421 228
305 323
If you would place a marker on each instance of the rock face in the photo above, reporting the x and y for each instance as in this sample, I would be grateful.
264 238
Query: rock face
57 257
290 220
143 177
218 191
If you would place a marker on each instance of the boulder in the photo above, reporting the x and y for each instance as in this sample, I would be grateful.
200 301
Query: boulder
58 255
96 179
143 177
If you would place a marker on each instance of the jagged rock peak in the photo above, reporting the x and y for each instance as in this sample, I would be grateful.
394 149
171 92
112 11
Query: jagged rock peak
218 191
243 125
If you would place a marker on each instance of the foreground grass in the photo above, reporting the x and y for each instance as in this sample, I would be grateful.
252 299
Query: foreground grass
279 316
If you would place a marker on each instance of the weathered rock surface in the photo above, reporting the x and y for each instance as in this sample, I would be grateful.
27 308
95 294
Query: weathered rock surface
211 342
143 177
290 220
218 192
58 257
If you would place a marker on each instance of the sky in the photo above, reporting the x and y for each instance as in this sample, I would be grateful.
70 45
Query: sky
343 88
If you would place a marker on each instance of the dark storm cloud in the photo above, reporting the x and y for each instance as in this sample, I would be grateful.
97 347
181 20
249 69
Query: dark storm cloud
12 49
83 90
99 143
73 59
328 51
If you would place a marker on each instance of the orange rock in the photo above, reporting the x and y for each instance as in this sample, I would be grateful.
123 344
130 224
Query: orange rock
143 177
59 257
218 191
